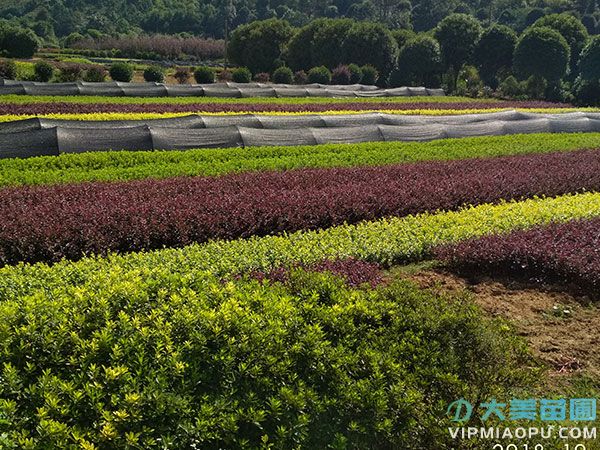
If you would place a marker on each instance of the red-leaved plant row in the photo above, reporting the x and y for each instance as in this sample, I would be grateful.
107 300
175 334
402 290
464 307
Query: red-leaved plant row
89 108
47 223
354 271
567 253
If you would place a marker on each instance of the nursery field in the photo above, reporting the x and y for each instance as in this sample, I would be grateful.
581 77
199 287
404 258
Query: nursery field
338 295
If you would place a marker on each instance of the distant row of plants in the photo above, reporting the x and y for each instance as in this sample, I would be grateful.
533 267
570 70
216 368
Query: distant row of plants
351 74
154 47
124 165
44 71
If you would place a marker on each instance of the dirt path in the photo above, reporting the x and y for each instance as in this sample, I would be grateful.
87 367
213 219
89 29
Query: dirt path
563 331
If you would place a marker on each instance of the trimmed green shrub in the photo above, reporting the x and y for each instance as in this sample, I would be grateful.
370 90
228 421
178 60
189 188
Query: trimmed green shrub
43 71
283 75
511 88
95 74
571 29
18 42
241 75
121 71
327 42
151 359
370 75
154 74
419 63
535 87
341 75
320 75
72 39
8 69
587 92
541 51
356 73
204 75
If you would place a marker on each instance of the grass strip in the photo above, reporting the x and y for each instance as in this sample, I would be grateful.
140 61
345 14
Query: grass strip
124 166
386 241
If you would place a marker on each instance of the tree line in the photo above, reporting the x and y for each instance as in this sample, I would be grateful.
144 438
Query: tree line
53 20
555 58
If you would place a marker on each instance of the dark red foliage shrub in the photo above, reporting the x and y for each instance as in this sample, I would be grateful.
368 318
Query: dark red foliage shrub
262 77
566 253
47 223
341 75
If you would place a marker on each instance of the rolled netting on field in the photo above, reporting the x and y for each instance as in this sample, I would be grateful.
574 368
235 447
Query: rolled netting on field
39 136
223 90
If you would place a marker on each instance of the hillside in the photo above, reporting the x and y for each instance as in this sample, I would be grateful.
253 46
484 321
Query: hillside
55 19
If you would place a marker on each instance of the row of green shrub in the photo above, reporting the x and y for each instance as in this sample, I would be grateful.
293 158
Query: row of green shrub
151 359
351 74
121 166
44 71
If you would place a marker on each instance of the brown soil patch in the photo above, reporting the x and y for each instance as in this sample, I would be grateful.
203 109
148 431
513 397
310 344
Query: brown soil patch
562 330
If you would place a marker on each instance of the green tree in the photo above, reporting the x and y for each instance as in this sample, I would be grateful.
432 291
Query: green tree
589 62
420 61
298 53
371 43
259 44
18 43
571 29
458 35
543 52
327 42
494 52
403 36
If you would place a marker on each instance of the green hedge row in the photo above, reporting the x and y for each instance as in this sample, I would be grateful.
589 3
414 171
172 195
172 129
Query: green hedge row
184 361
121 166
